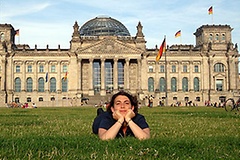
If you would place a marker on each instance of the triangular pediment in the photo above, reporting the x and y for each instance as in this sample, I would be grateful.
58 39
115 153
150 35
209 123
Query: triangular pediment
109 46
220 75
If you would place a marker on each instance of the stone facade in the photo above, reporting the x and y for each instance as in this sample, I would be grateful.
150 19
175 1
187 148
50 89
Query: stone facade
98 66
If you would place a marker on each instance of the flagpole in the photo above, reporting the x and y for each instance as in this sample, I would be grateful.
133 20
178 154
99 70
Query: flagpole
212 18
212 15
166 94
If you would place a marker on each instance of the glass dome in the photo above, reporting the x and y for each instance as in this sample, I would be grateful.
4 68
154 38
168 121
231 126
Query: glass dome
103 26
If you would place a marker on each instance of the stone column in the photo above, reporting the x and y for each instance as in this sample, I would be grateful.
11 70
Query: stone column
179 78
35 77
209 78
191 78
3 78
115 75
79 77
156 70
211 82
90 78
79 71
103 90
47 72
235 84
59 79
139 75
126 74
23 79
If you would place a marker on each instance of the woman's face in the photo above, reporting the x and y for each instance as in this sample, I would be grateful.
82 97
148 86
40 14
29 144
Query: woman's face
122 104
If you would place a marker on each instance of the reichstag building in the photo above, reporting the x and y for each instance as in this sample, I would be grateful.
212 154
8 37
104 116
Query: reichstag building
104 58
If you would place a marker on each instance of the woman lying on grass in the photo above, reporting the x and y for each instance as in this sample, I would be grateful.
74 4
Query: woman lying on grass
121 119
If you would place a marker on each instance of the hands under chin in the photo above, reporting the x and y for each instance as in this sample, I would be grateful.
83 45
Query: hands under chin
130 114
118 116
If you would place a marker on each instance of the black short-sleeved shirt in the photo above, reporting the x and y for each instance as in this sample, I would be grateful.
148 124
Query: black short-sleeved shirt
106 121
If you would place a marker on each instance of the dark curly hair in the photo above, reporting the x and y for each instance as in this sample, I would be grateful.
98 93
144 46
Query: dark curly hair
133 100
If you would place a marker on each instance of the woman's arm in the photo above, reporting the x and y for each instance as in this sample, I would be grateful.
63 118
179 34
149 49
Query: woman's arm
138 132
112 132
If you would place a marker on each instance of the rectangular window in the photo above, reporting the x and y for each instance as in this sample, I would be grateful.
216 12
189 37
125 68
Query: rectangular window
174 70
64 68
185 68
219 84
162 68
196 69
29 68
150 69
41 68
17 69
53 68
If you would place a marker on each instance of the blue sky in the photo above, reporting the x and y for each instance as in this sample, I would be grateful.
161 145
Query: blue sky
50 21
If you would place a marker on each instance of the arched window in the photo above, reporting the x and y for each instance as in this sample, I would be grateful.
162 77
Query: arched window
53 85
29 99
219 67
198 99
223 37
196 84
150 84
17 100
174 84
2 37
185 84
29 84
41 84
162 84
217 37
64 85
17 84
210 37
40 99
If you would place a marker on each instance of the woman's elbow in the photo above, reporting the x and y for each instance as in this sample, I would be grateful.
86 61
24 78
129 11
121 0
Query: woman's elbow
145 137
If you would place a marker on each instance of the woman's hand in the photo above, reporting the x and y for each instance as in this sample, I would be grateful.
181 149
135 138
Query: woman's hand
130 114
118 116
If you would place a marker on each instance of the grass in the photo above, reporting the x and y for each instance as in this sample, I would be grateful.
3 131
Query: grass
65 133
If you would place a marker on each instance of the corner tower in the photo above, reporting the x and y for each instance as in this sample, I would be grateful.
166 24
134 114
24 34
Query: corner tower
216 37
7 35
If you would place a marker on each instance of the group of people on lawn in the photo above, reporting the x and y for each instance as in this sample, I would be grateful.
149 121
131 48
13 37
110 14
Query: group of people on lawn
17 105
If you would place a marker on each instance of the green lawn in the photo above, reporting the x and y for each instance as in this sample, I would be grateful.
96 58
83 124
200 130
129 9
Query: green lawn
65 133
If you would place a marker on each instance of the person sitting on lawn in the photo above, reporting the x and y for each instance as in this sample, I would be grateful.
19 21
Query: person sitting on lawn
121 119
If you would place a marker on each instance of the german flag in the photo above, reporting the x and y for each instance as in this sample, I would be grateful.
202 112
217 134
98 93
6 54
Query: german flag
161 50
178 34
65 77
17 32
210 10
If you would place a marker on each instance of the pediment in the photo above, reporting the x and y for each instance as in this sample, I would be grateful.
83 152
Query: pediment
220 75
108 46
